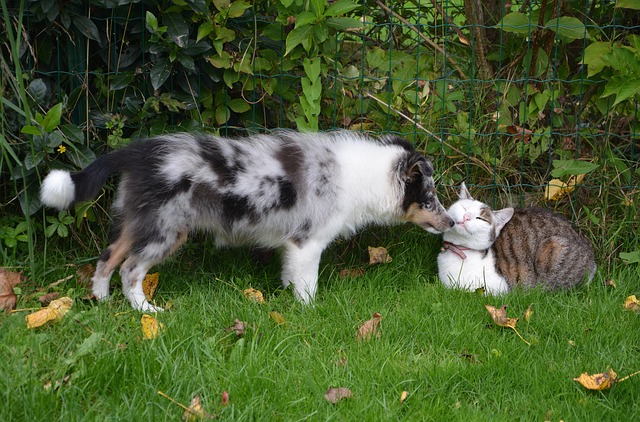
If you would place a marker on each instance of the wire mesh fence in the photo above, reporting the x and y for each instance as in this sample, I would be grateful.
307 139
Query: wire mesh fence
530 102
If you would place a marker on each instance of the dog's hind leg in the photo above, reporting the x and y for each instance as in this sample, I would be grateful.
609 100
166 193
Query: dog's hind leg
137 265
300 268
110 258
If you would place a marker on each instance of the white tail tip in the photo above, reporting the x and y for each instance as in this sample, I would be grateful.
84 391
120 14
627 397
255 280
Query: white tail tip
58 190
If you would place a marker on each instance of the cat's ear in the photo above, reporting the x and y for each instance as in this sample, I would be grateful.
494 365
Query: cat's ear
464 192
502 217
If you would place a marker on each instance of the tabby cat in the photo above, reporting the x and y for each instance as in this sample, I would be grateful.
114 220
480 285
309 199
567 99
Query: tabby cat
498 250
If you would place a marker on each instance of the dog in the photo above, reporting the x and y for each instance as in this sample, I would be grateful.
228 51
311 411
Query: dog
289 190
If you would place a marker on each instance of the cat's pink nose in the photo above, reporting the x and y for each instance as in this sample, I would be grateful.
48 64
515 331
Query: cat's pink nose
466 217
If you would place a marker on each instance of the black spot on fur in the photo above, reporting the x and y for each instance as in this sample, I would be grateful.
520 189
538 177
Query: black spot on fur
401 142
236 207
291 157
302 233
288 193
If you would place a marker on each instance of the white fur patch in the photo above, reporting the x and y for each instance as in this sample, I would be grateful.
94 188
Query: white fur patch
58 190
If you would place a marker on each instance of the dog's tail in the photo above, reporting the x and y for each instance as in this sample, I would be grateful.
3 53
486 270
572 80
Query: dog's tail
61 189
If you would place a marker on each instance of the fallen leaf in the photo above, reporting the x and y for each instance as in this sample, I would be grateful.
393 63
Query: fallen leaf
225 398
196 410
527 314
610 283
8 280
499 316
45 300
277 317
150 327
253 295
85 273
632 303
334 395
54 312
598 382
238 327
59 383
556 188
352 272
149 285
379 256
369 328
403 396
520 133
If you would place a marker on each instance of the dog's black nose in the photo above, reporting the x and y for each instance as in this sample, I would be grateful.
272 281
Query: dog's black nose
452 223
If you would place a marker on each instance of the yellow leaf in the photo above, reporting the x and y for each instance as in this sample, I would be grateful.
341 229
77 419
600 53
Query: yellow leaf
379 256
150 327
54 312
527 314
632 303
149 285
602 381
403 396
556 188
195 411
254 295
277 317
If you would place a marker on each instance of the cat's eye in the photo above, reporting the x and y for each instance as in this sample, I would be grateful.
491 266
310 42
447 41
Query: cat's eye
483 219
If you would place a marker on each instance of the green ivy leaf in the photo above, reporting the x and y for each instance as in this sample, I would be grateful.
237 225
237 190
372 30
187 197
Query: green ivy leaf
341 7
568 27
342 24
31 130
152 22
86 27
572 167
596 57
237 8
517 23
160 73
239 105
630 257
301 35
204 30
628 4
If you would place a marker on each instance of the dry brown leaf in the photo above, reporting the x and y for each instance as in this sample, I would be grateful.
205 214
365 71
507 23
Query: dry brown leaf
225 398
149 285
8 280
277 317
379 255
238 327
253 295
335 394
195 411
54 312
632 303
45 300
352 272
150 327
85 273
499 316
602 381
520 134
403 396
610 283
369 328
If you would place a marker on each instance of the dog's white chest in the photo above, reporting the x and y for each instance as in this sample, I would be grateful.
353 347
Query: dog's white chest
473 271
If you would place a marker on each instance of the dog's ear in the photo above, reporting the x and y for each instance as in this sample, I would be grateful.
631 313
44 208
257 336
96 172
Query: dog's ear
418 167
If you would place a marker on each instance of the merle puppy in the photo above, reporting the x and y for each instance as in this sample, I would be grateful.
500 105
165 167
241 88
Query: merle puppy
287 190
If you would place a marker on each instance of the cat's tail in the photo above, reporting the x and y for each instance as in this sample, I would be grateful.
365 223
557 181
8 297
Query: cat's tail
62 189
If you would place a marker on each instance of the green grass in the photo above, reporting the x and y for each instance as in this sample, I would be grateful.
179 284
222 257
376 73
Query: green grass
439 345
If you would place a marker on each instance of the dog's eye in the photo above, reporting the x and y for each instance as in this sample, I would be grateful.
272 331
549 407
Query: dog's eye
483 219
